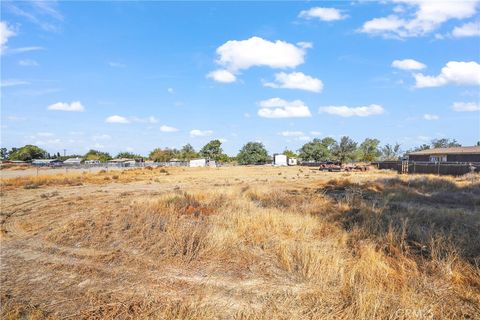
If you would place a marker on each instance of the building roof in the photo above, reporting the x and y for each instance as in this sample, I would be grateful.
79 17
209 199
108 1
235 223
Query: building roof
73 160
445 151
44 160
121 160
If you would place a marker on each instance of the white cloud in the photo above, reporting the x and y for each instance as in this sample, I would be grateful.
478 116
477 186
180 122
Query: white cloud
454 72
466 106
222 140
295 80
122 119
38 12
49 142
16 118
291 133
408 64
5 33
470 29
165 128
304 138
419 17
279 108
305 45
44 134
345 111
101 137
200 133
315 133
430 117
150 119
236 55
324 14
170 90
24 49
117 119
28 63
221 75
114 64
12 83
74 106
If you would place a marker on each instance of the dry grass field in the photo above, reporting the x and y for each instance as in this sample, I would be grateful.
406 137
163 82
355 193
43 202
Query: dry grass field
240 243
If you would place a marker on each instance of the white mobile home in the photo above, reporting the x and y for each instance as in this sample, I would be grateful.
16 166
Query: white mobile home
198 163
280 160
292 161
73 161
92 162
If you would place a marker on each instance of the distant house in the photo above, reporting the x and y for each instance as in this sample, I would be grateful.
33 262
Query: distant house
92 162
292 161
195 163
46 162
280 160
283 160
73 161
202 162
122 162
454 154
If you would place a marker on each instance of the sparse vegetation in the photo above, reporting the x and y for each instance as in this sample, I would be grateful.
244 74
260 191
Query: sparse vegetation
229 244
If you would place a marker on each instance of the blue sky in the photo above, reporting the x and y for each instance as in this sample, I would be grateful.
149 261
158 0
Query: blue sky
119 76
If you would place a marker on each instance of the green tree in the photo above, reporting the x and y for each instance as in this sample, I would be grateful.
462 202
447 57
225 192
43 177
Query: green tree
390 152
368 150
27 153
445 143
252 153
163 155
212 150
345 150
97 155
290 153
422 147
188 152
128 155
3 153
317 149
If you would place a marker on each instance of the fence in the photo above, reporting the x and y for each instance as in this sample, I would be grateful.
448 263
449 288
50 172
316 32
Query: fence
440 168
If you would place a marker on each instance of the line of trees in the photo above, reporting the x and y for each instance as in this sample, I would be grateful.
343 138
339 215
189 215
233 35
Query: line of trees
326 149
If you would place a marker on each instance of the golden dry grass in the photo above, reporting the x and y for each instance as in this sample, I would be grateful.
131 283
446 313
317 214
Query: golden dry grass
241 243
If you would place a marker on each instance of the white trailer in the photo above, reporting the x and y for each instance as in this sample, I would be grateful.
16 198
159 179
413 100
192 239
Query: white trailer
280 160
292 161
194 163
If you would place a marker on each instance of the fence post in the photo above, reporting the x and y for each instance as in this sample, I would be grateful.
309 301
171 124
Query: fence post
438 170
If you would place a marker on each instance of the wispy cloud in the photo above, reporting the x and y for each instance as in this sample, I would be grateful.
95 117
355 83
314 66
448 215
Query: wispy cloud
430 117
74 106
165 128
122 119
466 106
200 133
12 83
344 111
324 14
44 14
114 64
28 63
279 108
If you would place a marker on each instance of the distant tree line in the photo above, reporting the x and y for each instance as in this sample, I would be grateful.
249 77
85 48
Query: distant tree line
326 149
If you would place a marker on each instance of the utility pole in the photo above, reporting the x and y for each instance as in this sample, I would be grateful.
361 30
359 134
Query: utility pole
64 152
